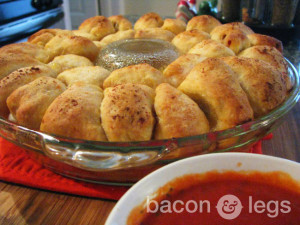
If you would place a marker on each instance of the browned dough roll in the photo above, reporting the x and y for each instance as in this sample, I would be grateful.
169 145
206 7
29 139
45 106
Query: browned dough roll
188 39
19 78
63 45
76 113
177 114
156 33
10 62
127 112
213 86
272 56
26 48
120 23
98 26
86 74
261 82
137 74
204 23
211 48
176 26
42 37
177 71
149 20
260 39
69 61
29 103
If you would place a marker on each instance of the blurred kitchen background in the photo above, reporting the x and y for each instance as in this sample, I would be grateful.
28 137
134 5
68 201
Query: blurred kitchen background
20 18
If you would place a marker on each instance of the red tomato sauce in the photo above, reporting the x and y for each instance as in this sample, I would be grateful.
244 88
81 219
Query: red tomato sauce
266 199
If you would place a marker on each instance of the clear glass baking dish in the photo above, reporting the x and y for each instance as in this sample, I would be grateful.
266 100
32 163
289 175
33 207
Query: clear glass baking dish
127 162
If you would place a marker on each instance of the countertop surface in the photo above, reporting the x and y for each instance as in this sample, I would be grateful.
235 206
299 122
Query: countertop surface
21 205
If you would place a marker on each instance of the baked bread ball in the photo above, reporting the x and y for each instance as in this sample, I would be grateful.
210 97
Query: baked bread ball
211 48
127 112
63 45
19 78
120 23
84 34
65 62
26 48
213 85
85 74
29 103
120 35
232 26
177 114
176 26
76 113
136 74
149 20
42 37
234 39
272 56
10 62
177 71
98 26
156 33
261 82
204 23
260 39
188 39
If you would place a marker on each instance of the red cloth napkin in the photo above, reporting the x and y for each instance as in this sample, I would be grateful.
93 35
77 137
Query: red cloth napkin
16 166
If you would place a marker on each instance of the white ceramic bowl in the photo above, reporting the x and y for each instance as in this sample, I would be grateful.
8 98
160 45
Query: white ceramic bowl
199 164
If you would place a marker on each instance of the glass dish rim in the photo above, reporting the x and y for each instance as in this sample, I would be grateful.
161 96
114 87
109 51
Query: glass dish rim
239 130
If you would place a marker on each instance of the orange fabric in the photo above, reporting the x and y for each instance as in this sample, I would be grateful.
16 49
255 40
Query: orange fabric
17 167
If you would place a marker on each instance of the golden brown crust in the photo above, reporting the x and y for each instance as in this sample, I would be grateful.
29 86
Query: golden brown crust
149 20
234 39
204 23
177 71
98 26
10 62
176 26
84 34
76 113
156 33
98 44
42 37
63 45
126 112
136 74
211 48
212 85
260 39
233 26
120 35
272 56
19 78
177 114
188 39
65 62
260 81
85 74
120 23
29 103
26 48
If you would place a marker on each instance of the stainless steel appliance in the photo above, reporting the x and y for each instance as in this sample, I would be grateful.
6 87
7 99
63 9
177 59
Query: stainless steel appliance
20 18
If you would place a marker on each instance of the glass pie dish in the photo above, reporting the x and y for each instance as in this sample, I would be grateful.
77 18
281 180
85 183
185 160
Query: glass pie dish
127 162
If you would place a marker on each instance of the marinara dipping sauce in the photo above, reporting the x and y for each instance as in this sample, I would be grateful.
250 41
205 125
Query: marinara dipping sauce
215 198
